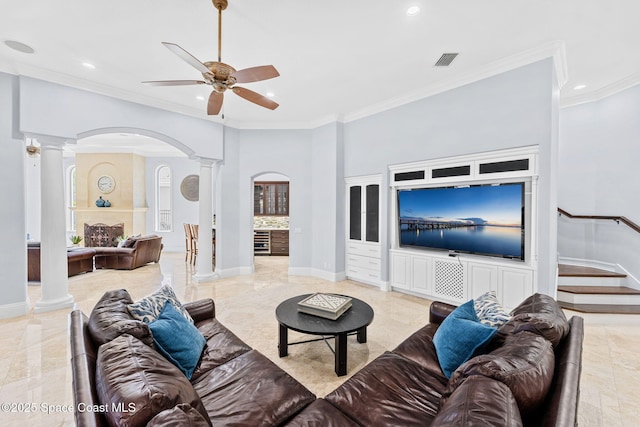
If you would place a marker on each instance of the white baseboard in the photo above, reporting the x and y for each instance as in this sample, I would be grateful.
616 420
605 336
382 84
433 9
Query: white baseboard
235 271
14 310
589 263
315 272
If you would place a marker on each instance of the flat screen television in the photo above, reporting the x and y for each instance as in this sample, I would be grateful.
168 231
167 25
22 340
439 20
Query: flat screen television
476 219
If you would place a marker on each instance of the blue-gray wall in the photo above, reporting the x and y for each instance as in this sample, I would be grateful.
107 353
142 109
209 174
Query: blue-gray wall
13 262
514 109
598 158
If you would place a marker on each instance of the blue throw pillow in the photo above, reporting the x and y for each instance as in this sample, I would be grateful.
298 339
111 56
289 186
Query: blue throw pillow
459 336
177 339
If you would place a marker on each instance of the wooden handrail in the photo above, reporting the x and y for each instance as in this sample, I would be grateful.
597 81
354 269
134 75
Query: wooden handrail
617 219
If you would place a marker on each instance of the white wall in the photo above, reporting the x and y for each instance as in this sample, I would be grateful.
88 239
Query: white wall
598 157
328 202
249 153
56 110
514 109
13 262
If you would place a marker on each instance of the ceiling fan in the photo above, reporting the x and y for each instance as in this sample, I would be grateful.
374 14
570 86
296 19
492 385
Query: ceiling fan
222 76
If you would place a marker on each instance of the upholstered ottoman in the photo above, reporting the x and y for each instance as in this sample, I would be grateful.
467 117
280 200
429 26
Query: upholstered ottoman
80 260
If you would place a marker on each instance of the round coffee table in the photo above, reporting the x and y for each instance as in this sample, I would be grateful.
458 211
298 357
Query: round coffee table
353 321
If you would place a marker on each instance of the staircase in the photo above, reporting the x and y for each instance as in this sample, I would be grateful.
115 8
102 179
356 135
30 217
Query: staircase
592 290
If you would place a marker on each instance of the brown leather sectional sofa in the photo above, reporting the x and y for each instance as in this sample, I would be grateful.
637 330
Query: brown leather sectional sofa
136 252
529 376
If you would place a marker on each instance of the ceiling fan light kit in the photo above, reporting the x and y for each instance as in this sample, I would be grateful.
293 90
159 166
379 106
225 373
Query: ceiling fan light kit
221 76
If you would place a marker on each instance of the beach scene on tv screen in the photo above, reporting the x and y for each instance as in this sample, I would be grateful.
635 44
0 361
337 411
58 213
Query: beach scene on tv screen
477 219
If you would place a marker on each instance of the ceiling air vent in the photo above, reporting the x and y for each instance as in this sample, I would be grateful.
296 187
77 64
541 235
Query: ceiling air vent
446 59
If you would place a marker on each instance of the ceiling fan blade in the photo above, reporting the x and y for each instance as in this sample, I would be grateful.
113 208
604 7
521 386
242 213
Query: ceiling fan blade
175 82
255 97
215 103
256 74
187 57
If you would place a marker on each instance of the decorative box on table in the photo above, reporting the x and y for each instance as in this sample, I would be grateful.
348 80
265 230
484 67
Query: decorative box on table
329 306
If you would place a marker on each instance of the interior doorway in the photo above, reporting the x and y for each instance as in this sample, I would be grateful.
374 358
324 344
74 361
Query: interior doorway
271 201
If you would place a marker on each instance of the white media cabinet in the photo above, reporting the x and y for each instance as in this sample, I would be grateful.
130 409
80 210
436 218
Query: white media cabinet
459 277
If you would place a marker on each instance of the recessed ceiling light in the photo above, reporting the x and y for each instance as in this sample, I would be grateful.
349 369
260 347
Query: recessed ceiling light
413 10
20 47
88 65
271 94
200 98
579 87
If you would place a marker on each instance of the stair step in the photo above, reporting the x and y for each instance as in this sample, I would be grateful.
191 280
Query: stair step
601 308
565 270
599 290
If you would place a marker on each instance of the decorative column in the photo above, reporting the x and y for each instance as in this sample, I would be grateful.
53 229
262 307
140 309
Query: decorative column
204 264
53 247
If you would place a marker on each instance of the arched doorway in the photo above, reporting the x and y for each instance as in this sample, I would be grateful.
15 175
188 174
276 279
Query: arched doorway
270 205
140 197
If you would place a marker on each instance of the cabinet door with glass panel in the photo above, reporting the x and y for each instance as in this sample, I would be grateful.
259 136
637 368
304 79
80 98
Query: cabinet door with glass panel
364 212
271 198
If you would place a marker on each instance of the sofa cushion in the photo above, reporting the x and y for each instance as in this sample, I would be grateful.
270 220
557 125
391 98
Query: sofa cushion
321 414
134 377
390 391
525 363
251 390
420 349
479 401
540 314
459 337
179 416
177 339
549 326
129 241
149 308
110 318
222 345
490 311
538 303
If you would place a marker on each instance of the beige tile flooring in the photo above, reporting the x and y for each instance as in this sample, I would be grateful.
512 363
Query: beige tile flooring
34 349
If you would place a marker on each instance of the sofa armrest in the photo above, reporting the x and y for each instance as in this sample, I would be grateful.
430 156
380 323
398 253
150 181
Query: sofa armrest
201 310
439 310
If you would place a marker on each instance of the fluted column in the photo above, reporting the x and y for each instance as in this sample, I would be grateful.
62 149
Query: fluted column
204 264
53 247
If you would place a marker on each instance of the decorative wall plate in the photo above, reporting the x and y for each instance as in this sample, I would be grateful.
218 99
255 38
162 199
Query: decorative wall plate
190 188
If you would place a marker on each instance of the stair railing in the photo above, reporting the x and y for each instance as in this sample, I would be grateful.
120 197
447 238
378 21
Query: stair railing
617 219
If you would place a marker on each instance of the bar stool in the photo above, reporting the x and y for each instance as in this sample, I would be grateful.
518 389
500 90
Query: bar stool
187 242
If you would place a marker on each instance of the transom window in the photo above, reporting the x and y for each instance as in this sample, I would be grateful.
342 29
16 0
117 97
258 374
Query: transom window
164 210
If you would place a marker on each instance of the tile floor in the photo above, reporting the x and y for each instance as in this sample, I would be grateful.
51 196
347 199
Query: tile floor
34 349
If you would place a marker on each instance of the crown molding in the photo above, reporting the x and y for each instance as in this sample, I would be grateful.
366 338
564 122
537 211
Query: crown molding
101 89
598 94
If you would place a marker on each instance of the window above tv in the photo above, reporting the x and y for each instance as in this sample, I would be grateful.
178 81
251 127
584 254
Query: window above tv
503 164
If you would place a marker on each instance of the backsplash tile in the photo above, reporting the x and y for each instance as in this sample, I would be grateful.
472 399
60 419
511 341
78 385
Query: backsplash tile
271 222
